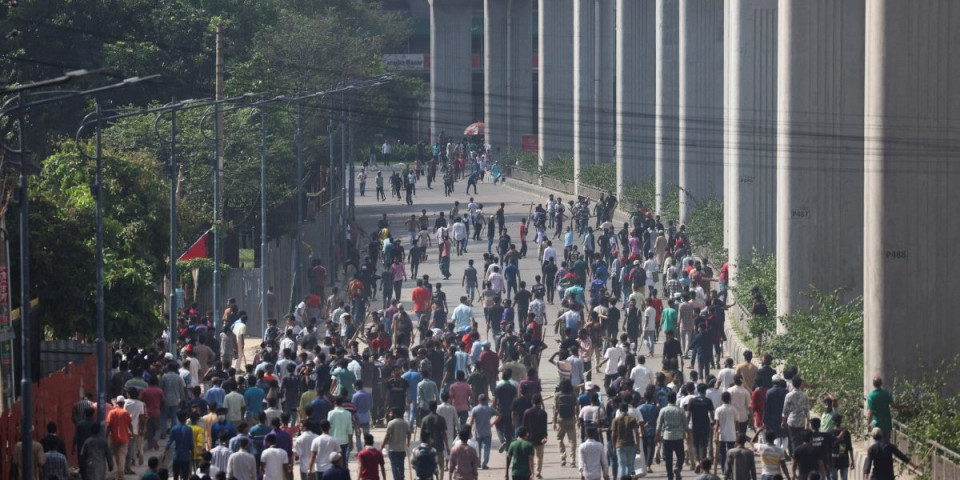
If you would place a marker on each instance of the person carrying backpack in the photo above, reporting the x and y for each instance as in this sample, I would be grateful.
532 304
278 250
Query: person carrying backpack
424 458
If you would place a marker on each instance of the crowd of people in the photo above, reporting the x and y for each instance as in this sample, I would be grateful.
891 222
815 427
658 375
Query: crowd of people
635 347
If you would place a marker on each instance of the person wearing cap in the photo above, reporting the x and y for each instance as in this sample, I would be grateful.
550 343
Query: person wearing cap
119 430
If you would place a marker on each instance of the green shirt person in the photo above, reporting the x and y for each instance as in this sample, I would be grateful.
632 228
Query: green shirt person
520 456
669 318
878 407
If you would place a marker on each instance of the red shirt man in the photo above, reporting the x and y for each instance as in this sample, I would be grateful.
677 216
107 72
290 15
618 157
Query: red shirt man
421 298
370 458
118 423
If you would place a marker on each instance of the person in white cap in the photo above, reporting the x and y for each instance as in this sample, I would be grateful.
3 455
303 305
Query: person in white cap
119 428
337 470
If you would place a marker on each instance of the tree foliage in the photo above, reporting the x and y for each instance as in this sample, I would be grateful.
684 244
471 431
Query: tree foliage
825 342
602 176
706 230
931 409
645 193
271 47
760 270
560 167
62 222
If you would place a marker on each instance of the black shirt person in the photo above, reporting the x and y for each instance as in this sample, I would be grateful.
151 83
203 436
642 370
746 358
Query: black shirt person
879 462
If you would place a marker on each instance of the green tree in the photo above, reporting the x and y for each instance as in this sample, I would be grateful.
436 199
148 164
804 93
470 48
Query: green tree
62 222
826 344
706 230
760 271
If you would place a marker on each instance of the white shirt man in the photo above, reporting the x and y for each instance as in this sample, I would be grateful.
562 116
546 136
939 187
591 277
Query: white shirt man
725 376
449 414
242 465
459 231
650 319
549 253
652 268
539 311
592 460
272 461
320 450
740 400
496 282
615 357
641 376
135 408
726 421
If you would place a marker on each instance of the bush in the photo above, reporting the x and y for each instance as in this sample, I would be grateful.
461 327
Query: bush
405 153
643 193
601 176
826 344
560 167
761 271
706 230
931 406
526 161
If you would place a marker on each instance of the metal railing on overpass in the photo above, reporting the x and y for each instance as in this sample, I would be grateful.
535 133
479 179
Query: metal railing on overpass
944 464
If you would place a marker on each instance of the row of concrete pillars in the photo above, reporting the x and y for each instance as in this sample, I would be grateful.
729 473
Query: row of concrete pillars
830 129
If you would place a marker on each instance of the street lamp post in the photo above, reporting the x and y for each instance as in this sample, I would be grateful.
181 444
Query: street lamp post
264 307
172 167
353 158
298 246
26 383
332 219
216 217
26 367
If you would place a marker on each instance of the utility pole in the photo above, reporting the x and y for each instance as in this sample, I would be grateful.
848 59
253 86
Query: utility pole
298 246
172 172
101 336
332 220
26 372
344 221
353 160
217 179
264 306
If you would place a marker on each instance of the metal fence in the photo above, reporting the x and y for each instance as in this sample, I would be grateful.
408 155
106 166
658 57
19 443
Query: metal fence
243 284
944 463
53 399
557 184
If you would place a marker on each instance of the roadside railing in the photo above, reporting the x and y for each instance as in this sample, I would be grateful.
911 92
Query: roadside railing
944 463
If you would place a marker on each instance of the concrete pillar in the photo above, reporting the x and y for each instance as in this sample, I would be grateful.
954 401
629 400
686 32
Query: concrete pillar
912 170
701 103
555 98
605 83
750 128
819 148
666 124
508 75
594 66
451 70
584 99
636 91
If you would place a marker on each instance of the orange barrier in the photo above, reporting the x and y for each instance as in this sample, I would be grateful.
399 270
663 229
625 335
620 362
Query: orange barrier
53 401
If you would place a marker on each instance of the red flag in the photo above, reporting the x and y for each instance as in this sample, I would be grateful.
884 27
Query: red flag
197 250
